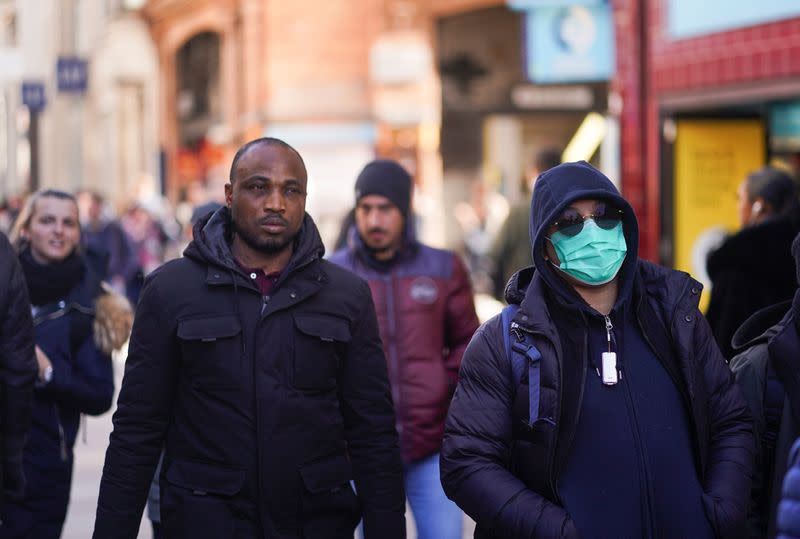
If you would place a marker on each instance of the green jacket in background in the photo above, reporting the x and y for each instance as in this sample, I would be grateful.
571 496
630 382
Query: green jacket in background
511 250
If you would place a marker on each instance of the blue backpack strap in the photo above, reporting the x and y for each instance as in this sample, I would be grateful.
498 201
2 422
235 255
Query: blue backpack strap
521 352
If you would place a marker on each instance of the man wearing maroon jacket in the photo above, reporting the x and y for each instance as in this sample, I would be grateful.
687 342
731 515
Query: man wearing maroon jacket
426 315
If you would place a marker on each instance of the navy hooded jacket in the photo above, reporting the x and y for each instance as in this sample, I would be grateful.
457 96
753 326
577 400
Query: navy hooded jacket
667 452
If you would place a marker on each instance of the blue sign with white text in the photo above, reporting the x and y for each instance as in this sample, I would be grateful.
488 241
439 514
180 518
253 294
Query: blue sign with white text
72 74
687 18
784 125
572 43
33 96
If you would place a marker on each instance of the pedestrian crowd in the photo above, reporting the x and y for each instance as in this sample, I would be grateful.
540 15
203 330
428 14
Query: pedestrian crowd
272 390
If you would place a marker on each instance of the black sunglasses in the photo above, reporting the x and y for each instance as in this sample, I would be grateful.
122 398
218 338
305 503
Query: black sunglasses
570 223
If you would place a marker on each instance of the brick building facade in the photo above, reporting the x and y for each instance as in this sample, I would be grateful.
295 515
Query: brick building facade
660 78
307 71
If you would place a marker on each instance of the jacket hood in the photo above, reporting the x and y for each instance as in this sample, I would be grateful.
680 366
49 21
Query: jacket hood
553 192
518 284
213 234
761 326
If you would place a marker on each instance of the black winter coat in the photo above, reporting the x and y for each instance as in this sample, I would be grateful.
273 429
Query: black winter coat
267 407
82 383
18 369
766 370
752 269
506 479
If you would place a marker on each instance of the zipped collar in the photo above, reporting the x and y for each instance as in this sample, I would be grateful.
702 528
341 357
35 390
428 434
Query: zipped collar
81 299
761 326
211 247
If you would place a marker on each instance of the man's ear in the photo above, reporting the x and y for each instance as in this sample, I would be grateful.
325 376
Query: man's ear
228 195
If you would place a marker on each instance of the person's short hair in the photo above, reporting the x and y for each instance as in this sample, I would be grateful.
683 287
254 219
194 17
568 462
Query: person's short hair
269 141
546 158
775 186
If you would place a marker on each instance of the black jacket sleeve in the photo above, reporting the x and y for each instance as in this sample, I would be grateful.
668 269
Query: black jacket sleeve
477 444
750 370
143 411
86 383
370 430
18 368
731 449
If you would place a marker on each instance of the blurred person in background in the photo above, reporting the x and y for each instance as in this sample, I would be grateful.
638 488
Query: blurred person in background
153 232
480 220
345 228
754 268
256 365
766 369
9 209
510 251
426 316
107 238
202 211
6 217
18 371
74 325
619 417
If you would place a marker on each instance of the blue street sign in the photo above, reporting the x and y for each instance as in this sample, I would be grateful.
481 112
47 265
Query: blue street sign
572 43
72 74
33 96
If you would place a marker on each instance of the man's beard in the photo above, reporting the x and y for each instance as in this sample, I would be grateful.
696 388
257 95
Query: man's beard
270 246
376 250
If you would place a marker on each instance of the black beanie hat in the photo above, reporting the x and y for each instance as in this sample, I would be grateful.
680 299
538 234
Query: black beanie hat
386 178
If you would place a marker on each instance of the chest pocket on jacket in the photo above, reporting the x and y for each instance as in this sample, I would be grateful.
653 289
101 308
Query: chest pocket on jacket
211 350
319 340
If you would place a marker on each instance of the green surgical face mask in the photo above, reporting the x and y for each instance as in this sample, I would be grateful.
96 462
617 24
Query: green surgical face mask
594 255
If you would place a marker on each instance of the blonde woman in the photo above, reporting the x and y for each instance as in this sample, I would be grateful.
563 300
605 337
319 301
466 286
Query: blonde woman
73 346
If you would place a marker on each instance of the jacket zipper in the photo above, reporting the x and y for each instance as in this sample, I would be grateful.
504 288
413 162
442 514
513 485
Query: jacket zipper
62 311
642 460
390 315
609 339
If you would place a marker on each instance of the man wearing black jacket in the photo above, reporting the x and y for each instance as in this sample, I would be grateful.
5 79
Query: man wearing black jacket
258 367
18 369
640 430
766 369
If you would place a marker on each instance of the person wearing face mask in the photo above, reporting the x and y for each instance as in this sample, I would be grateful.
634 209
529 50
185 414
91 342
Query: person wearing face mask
753 268
73 325
640 430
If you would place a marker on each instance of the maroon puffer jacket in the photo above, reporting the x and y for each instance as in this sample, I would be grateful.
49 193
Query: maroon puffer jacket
427 316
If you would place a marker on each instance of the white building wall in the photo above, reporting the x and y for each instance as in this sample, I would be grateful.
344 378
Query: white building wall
79 134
